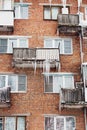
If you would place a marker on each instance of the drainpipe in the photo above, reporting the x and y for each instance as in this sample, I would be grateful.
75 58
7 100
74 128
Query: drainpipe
85 117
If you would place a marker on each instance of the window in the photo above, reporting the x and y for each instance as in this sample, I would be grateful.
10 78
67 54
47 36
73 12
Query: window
51 12
65 45
60 123
12 123
16 82
5 4
21 11
53 83
7 44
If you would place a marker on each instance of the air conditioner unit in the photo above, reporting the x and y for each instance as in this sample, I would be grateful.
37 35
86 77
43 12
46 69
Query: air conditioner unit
85 94
65 11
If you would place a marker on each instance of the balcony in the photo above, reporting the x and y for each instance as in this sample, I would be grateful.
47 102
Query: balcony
73 98
35 57
6 20
69 24
5 97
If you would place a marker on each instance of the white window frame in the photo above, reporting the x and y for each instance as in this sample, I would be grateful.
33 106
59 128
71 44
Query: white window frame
11 46
57 116
16 90
63 81
62 44
19 10
5 122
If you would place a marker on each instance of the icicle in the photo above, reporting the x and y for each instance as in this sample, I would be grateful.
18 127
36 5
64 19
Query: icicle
64 3
50 2
46 66
79 2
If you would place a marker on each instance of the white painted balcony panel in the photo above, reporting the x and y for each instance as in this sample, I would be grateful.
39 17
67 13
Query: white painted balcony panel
49 54
6 18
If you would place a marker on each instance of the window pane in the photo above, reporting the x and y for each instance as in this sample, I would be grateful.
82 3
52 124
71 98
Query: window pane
16 11
48 43
57 43
68 82
60 123
49 123
12 82
3 45
24 12
48 83
1 124
70 123
21 123
57 84
21 83
54 12
6 4
23 43
67 47
10 123
13 42
2 81
47 13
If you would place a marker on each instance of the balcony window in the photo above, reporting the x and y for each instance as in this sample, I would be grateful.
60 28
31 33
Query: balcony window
12 123
7 44
60 123
65 45
16 82
21 11
53 83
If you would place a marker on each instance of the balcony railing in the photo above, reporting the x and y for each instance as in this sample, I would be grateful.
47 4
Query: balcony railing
5 97
69 24
6 20
68 19
35 57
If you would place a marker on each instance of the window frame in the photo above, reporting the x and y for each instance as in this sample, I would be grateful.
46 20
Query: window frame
63 81
18 45
17 87
58 116
16 121
62 44
50 8
19 5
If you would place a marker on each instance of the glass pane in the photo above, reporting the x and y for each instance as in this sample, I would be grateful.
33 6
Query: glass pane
67 46
1 124
10 123
60 124
47 13
57 84
3 45
21 123
54 12
13 42
49 123
16 11
68 82
21 83
23 43
2 81
24 12
48 83
12 82
48 43
7 4
70 123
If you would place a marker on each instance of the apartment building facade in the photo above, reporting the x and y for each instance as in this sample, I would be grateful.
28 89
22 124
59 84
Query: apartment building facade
43 65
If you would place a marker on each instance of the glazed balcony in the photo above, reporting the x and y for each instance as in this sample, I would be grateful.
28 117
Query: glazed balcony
6 20
73 98
5 97
69 24
35 57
